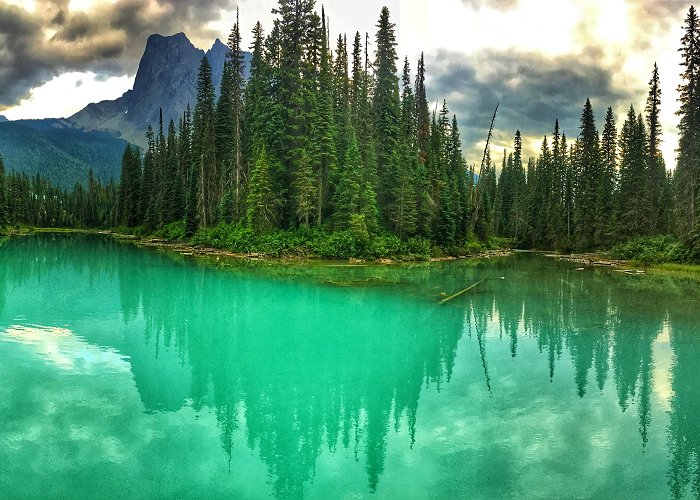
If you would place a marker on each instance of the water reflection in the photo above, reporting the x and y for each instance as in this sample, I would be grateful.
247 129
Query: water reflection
301 369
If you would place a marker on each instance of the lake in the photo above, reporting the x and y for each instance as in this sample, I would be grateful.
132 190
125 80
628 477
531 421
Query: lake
136 373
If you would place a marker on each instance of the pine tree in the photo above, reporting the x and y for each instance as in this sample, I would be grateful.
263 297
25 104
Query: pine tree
402 208
238 176
305 189
687 174
323 126
423 188
188 174
587 171
255 95
458 169
659 190
206 170
341 98
387 112
633 197
129 187
3 195
422 113
148 186
348 193
608 153
261 200
171 181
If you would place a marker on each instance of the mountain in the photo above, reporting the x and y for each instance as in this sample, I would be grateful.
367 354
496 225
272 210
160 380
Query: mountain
60 151
63 150
166 78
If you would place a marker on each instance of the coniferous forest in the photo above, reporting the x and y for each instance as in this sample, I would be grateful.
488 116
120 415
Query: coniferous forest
332 148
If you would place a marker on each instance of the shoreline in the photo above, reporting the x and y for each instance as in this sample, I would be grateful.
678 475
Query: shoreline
589 260
191 250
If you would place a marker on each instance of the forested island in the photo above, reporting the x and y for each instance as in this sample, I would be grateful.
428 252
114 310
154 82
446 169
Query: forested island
332 152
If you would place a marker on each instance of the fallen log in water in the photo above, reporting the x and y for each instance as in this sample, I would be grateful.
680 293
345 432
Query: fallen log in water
444 301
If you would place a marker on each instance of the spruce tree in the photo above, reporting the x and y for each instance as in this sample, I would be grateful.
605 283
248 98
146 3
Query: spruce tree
608 152
129 187
587 169
305 188
402 208
659 190
261 200
348 193
323 126
460 188
423 188
3 195
387 112
206 171
237 173
341 98
148 187
634 208
687 174
171 181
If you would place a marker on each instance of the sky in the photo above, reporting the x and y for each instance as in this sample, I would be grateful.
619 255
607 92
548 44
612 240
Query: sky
540 59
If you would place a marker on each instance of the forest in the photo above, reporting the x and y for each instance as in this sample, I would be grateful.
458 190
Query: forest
333 152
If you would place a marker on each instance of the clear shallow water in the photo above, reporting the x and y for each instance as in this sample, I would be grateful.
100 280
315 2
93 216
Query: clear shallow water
133 373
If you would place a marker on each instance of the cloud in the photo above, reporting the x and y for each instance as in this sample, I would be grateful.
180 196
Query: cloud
492 4
533 91
107 38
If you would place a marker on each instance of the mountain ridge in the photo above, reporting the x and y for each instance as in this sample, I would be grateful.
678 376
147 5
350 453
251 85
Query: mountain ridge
63 150
166 78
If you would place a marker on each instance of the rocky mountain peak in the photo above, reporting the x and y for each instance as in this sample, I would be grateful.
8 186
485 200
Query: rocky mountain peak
166 78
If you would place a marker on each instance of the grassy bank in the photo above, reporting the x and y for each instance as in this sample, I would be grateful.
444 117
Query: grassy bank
315 243
298 244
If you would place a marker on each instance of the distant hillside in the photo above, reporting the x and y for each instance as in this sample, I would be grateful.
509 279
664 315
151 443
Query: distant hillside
2 119
60 151
166 78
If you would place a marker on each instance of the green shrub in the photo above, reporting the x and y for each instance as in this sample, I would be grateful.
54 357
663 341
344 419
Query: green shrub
385 246
175 231
338 245
418 248
652 250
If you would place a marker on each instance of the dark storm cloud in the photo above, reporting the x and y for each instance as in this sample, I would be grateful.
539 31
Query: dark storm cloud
533 92
652 17
109 39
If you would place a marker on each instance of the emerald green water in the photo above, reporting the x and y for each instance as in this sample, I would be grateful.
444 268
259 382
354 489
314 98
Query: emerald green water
132 373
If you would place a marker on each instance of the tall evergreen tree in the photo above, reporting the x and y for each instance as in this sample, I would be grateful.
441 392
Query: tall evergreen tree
171 182
402 209
148 185
387 111
129 187
587 169
687 174
237 173
323 127
206 170
608 181
261 211
423 199
3 195
341 98
633 197
659 189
